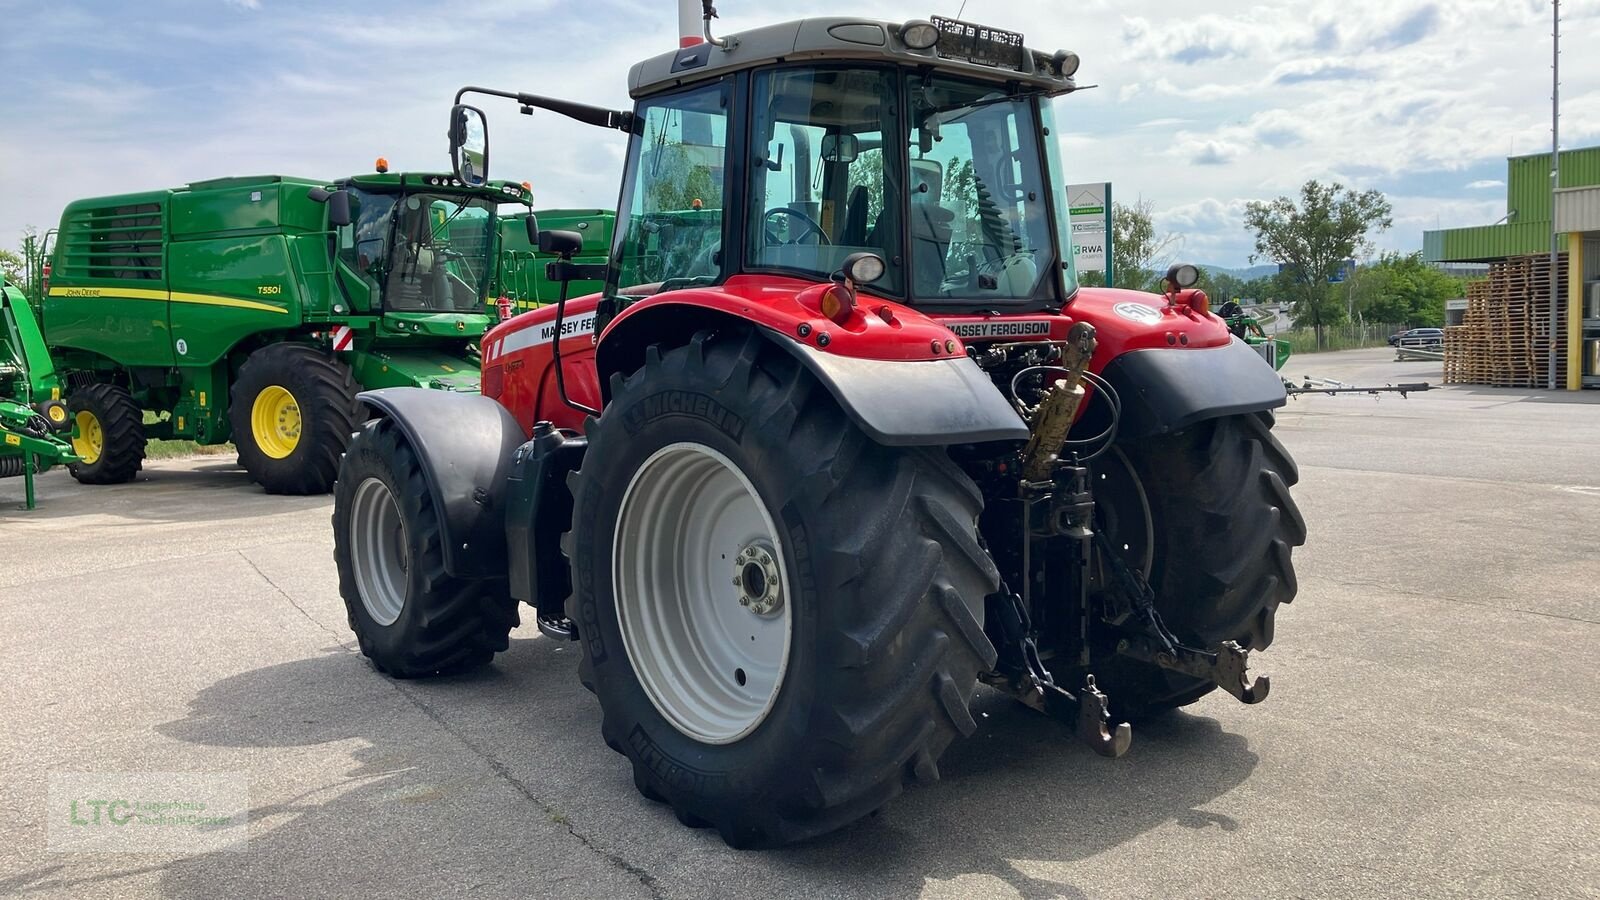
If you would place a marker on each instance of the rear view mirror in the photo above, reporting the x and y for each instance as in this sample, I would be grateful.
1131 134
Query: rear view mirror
840 148
469 145
533 229
560 243
927 178
339 209
338 204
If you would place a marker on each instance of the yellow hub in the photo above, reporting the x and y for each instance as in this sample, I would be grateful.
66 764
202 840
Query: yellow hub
275 422
90 439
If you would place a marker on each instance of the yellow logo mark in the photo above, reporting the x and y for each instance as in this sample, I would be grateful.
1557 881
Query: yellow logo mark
13 440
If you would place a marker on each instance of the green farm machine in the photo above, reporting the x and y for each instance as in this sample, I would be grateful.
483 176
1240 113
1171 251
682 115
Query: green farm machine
253 309
33 420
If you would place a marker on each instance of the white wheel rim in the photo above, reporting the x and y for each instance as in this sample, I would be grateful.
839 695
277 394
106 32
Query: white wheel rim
378 550
690 523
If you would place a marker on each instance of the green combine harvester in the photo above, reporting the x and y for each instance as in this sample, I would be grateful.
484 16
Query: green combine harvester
521 277
34 423
253 309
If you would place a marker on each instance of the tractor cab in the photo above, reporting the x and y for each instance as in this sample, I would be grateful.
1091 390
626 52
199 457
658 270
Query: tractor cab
421 249
786 150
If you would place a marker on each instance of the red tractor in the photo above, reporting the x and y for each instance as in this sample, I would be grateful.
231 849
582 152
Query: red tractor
841 438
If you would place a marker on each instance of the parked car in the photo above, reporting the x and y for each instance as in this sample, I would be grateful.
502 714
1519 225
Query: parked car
1418 337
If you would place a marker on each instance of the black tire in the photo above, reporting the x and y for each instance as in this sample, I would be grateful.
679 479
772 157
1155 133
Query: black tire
324 392
1222 528
121 423
887 619
446 624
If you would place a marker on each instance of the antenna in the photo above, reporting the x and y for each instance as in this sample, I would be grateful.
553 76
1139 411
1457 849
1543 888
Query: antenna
962 9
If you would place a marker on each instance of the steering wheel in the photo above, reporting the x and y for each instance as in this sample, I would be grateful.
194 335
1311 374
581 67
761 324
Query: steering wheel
811 226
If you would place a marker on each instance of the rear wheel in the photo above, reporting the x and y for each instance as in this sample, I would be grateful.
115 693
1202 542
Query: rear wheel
108 434
292 411
782 619
410 617
1214 542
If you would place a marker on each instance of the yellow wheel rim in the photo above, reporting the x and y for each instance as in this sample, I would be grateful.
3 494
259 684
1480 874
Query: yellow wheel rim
90 439
275 422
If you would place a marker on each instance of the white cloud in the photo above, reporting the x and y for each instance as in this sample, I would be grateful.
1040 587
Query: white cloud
1197 112
1485 184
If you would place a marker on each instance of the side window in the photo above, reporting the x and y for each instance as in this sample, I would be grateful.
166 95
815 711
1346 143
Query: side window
364 244
674 205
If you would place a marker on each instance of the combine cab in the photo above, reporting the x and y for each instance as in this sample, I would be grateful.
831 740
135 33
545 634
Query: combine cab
840 438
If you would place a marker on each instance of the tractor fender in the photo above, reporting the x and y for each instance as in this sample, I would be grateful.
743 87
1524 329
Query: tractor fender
465 444
1167 389
897 402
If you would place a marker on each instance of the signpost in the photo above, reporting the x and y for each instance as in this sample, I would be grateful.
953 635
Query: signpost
1090 206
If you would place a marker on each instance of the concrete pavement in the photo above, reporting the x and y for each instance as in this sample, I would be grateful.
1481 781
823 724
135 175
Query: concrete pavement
1431 731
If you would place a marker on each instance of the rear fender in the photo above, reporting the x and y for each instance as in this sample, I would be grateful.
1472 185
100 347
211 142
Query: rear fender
1166 390
465 444
896 401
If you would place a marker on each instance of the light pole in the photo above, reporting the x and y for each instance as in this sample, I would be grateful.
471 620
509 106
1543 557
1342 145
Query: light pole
1555 178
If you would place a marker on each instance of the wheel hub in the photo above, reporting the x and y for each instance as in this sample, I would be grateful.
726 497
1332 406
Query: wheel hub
756 576
711 658
275 422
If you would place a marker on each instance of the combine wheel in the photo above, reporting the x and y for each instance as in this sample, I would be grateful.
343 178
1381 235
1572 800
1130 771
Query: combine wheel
292 410
108 434
782 620
1213 539
410 617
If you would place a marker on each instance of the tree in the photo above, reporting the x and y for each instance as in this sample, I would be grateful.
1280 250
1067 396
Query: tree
1138 253
1404 290
1222 287
1312 239
13 267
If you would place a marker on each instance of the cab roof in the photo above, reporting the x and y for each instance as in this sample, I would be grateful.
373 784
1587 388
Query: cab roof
825 39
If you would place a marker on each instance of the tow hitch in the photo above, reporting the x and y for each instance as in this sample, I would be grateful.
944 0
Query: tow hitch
1025 677
1227 667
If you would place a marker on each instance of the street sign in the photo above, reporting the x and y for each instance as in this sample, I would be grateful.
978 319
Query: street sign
1090 208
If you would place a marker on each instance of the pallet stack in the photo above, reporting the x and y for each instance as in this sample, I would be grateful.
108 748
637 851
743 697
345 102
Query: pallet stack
1504 338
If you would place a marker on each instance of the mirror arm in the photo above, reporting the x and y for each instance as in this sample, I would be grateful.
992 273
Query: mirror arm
582 112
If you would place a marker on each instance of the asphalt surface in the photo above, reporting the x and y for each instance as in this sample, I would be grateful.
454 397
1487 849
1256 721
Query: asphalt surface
1432 729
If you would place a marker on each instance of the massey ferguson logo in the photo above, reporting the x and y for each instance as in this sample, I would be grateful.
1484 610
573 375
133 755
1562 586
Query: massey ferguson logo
1001 328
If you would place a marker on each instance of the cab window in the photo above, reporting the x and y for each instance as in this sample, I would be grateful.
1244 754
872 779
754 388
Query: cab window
674 193
824 177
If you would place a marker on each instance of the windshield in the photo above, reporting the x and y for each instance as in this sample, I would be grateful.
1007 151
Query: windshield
979 219
424 252
827 180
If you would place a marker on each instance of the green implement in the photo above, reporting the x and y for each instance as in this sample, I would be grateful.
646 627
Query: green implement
34 423
1248 329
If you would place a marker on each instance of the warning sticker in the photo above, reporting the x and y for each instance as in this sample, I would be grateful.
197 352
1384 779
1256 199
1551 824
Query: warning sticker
1001 328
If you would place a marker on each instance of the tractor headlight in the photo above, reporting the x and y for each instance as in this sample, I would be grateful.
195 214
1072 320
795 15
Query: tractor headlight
919 35
1066 63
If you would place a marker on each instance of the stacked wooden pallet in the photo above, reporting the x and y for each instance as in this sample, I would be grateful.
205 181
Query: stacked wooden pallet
1504 338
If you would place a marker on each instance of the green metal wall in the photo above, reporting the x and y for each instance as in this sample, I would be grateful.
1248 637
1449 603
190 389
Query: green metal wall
1528 195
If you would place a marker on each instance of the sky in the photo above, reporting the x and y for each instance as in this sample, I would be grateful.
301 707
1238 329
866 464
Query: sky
1198 108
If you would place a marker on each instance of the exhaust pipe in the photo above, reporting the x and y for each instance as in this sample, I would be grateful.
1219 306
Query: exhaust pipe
694 25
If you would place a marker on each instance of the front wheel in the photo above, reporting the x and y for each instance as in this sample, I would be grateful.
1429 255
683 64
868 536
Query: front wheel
410 617
292 410
108 434
1209 521
781 619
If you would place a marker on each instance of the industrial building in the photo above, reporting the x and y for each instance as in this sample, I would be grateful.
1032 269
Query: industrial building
1505 336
